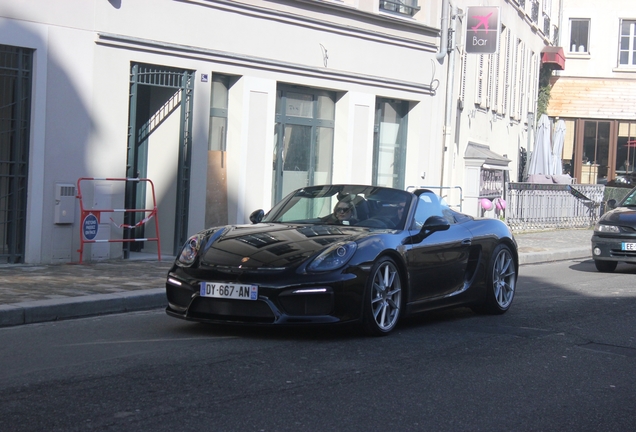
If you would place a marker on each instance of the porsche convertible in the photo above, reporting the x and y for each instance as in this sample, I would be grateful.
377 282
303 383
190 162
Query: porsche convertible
338 254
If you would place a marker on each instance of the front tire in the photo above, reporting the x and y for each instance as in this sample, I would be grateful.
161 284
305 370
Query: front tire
605 266
383 299
501 281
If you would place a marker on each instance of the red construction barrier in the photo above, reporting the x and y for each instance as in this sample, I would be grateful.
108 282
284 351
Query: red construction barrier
91 218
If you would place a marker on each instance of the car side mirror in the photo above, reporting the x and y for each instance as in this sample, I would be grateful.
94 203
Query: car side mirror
611 203
432 224
435 223
257 216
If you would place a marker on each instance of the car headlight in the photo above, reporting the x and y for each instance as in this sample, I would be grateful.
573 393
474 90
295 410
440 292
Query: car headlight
602 228
190 251
333 257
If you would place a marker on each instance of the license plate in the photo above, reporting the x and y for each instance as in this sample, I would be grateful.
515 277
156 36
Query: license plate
629 246
229 290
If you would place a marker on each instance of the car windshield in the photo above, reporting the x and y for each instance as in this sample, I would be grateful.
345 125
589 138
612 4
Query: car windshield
630 199
367 206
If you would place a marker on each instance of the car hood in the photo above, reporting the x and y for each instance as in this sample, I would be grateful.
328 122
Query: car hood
270 245
621 216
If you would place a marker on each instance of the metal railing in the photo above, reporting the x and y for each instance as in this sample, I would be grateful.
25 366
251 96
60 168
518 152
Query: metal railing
406 7
533 206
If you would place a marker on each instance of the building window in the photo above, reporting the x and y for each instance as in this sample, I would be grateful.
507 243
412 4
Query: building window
303 139
389 152
579 36
535 11
626 151
404 7
627 50
16 76
218 112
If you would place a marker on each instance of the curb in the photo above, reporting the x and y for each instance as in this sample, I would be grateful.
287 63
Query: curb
39 311
563 254
80 307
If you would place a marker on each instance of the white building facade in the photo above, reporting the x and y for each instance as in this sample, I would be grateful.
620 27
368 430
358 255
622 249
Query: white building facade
228 105
494 105
596 93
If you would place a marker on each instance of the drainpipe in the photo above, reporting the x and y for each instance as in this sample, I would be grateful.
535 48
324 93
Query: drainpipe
443 43
448 118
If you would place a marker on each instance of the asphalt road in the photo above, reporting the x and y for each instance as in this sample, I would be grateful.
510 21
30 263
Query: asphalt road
563 358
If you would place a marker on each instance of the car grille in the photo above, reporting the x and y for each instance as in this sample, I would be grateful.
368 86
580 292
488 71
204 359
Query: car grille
307 305
617 253
179 296
231 310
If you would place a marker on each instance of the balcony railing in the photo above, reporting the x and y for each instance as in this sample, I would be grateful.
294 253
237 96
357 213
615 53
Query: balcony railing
548 206
405 7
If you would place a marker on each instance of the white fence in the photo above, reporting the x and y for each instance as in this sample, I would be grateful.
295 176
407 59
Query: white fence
532 206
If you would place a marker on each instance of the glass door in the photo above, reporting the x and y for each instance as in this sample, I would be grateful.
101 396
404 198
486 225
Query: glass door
626 151
389 152
596 152
303 150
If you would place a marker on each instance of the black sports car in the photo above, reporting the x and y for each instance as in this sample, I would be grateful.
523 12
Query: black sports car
345 253
614 237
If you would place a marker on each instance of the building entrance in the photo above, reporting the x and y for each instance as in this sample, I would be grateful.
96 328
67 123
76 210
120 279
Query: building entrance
303 150
160 131
15 123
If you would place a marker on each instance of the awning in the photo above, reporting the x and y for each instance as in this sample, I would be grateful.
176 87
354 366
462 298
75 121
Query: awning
496 167
553 57
593 98
488 158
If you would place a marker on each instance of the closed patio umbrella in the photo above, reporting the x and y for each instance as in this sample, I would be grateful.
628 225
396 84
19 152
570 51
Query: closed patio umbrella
540 159
557 148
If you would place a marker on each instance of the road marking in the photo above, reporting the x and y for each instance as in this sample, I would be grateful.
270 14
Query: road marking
148 340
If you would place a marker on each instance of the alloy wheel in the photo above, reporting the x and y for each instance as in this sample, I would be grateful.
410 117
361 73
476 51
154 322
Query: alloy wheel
504 278
386 296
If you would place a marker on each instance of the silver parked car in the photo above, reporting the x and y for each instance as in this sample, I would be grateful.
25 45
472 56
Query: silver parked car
614 238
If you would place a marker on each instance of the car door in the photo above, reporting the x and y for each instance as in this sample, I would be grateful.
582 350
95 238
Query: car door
437 262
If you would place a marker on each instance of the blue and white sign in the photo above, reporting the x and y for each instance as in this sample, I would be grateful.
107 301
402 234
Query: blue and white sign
90 227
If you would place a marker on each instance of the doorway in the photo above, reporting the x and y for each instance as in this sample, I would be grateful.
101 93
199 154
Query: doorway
389 143
160 131
303 141
626 151
15 123
595 151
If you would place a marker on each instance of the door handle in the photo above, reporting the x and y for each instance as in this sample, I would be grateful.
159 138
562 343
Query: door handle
467 242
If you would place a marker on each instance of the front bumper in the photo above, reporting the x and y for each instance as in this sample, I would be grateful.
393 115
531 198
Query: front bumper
333 301
612 249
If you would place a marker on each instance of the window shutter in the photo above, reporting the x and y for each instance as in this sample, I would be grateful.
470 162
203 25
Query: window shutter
492 81
514 85
517 82
534 77
462 93
496 82
506 77
479 87
524 82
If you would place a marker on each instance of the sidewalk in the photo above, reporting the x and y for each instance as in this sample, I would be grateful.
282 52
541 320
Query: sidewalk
31 294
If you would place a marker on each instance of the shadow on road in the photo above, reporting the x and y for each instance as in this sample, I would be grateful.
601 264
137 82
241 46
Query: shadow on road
588 266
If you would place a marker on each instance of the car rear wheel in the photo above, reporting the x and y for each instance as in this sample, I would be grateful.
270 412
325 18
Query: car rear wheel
501 281
383 301
605 266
